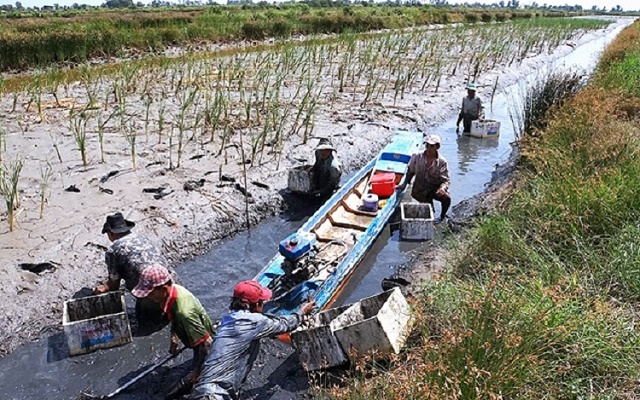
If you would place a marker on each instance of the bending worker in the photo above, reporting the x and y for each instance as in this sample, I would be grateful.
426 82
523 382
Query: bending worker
237 341
326 170
128 255
432 176
471 110
190 323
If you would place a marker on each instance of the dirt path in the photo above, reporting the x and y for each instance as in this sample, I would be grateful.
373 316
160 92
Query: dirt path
185 222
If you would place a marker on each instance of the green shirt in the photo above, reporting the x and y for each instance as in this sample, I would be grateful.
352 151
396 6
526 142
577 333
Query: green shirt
189 320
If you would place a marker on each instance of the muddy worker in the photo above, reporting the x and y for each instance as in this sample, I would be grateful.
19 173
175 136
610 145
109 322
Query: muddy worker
190 323
237 341
432 176
471 110
326 170
128 255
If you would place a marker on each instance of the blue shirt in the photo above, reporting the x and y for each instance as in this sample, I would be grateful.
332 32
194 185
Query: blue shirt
236 347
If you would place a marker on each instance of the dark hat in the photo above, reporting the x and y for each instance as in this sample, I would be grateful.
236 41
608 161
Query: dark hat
324 144
117 224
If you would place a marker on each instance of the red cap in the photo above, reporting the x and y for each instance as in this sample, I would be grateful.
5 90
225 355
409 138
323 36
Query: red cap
251 292
150 278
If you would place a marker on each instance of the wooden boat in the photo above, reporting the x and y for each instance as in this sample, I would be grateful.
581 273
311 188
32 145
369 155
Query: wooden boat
317 261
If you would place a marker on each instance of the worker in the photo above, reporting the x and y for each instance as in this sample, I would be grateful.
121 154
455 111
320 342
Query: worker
326 170
237 341
128 255
432 176
471 110
190 323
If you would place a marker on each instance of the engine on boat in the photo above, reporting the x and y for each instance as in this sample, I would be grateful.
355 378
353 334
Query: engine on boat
299 262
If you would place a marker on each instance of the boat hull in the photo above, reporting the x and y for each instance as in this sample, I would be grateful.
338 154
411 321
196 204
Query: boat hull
344 232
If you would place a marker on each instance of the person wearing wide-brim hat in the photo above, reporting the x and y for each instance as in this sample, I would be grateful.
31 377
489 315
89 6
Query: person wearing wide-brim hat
471 110
432 176
326 170
126 258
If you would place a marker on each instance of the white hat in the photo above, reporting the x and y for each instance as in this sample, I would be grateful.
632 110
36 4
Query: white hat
324 144
471 86
432 139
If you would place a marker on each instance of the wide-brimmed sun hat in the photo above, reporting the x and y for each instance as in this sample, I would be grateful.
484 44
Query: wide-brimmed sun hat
432 139
116 223
471 86
150 278
251 292
324 144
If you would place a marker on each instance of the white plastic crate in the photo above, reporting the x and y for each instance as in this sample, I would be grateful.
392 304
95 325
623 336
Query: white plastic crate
485 128
416 221
379 324
96 322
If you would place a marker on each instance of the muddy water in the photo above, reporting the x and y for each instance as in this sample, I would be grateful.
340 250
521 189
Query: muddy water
42 370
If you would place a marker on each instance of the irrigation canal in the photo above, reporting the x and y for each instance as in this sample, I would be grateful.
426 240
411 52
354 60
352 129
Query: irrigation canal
43 370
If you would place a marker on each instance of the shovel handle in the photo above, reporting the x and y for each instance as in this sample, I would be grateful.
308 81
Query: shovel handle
144 373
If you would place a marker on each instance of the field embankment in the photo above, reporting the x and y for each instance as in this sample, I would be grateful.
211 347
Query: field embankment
541 300
40 39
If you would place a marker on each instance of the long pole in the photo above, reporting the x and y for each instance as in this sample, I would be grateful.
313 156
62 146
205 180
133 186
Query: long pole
143 374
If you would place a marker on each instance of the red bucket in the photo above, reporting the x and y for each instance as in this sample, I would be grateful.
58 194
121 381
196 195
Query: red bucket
383 184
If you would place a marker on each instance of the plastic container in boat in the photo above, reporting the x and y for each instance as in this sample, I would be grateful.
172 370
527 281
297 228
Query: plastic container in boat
383 184
370 202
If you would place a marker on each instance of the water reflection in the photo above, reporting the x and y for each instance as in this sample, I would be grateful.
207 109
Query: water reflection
471 149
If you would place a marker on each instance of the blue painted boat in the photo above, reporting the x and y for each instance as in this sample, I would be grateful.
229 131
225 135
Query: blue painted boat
317 261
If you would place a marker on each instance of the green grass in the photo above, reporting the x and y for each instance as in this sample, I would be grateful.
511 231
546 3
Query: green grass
542 297
39 39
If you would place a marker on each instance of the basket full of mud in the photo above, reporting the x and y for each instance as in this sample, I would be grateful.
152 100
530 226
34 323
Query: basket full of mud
377 325
96 322
300 179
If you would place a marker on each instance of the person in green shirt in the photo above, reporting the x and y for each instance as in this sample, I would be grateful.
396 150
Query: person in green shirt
326 170
190 323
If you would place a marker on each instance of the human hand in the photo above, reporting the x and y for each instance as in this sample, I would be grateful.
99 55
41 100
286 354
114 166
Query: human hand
173 346
440 192
307 308
101 289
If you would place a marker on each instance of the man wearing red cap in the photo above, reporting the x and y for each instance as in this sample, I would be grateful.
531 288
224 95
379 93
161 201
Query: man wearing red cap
238 341
190 323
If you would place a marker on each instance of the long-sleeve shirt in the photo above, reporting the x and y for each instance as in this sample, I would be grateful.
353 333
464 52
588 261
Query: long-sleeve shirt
472 107
326 174
236 347
429 177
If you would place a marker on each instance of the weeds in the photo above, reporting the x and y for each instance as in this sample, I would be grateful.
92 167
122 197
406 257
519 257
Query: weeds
45 175
78 125
9 178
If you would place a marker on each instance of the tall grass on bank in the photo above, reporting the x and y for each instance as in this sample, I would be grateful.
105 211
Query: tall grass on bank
29 42
545 94
542 298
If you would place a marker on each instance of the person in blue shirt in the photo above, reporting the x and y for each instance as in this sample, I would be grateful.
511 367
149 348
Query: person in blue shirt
237 341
